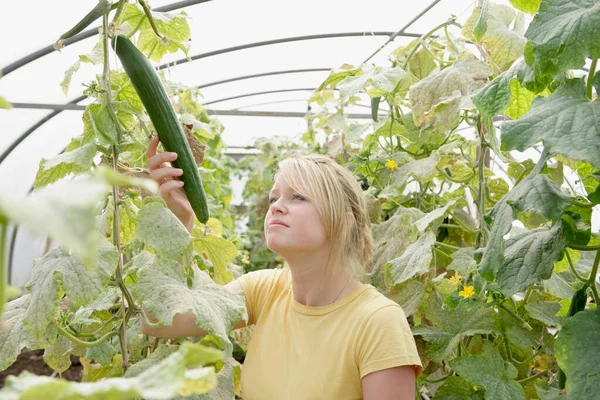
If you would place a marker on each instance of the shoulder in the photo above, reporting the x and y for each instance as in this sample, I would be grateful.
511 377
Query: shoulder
376 307
265 279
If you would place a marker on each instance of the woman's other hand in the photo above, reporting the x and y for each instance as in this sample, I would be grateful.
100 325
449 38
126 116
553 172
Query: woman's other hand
170 188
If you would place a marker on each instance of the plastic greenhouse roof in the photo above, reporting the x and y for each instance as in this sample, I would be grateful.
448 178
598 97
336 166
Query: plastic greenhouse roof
308 38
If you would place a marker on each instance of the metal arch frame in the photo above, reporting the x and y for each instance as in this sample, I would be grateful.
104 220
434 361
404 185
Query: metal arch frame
49 49
199 56
84 35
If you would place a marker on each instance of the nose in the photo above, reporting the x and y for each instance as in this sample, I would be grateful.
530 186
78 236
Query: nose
277 206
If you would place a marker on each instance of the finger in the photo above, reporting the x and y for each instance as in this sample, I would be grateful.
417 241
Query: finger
152 147
157 160
167 187
160 174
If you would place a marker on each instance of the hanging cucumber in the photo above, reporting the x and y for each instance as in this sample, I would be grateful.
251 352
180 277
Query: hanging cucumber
149 87
101 8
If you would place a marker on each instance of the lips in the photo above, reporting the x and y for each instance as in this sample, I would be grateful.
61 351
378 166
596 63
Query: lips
277 222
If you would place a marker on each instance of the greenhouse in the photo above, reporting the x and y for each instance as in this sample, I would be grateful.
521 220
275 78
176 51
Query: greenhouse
225 199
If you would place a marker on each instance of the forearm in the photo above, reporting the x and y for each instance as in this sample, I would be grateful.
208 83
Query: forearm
184 325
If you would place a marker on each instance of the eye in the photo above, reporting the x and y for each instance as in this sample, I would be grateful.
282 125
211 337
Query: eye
297 196
272 200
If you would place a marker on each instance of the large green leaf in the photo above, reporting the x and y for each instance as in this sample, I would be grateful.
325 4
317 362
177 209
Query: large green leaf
504 34
566 122
530 257
13 335
452 324
161 229
65 211
578 351
488 370
437 100
58 167
163 289
415 261
528 6
564 33
536 193
520 102
58 273
180 373
221 253
174 29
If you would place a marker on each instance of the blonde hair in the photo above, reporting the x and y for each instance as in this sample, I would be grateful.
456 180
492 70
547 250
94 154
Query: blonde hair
335 192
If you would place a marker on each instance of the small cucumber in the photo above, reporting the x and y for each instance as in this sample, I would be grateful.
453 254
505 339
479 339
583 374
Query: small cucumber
101 8
152 92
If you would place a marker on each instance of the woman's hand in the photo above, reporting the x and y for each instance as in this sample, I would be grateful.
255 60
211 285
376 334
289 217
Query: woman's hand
170 188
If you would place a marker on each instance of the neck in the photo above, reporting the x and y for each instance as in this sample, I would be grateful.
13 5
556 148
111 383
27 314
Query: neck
313 285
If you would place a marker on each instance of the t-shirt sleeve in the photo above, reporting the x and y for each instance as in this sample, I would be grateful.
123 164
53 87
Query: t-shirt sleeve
386 341
257 286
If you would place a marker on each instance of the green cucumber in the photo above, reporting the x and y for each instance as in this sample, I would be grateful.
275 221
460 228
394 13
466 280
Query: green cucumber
152 92
101 8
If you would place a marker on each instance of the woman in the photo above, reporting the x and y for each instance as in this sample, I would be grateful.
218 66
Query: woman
320 333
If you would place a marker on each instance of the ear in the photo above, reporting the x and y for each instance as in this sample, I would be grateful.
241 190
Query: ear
350 219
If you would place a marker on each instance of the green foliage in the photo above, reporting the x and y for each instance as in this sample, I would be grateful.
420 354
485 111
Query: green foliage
475 257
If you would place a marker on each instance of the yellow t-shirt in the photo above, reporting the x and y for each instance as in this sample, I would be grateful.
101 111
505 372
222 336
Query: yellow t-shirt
315 353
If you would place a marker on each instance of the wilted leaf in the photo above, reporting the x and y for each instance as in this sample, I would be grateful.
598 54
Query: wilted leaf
164 291
415 261
437 99
72 162
161 229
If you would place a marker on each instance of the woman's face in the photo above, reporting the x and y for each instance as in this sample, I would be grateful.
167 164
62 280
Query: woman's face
292 224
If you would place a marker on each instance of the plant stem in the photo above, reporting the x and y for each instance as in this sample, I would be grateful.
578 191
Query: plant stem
150 323
517 317
584 248
150 17
465 179
75 339
447 246
116 215
534 355
441 252
590 78
508 352
581 204
532 378
436 380
3 227
450 226
593 277
425 36
482 185
120 7
581 278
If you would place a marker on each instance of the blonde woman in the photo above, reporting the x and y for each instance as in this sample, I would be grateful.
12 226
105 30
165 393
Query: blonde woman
320 334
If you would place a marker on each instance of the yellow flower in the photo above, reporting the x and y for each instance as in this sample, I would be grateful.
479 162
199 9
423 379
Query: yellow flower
467 292
391 164
456 279
246 260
